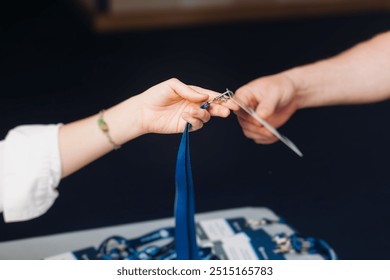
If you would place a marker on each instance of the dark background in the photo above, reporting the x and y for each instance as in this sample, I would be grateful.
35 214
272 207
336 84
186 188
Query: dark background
55 69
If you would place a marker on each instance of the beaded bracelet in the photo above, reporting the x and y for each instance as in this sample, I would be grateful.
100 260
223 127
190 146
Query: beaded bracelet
104 128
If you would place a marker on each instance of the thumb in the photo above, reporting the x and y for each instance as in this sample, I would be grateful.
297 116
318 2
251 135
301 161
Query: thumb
186 92
267 106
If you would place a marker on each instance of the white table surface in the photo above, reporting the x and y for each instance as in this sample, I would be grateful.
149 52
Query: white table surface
46 246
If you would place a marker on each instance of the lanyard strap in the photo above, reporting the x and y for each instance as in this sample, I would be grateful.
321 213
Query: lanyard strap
185 235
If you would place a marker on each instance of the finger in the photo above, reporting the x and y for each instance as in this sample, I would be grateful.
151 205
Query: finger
232 106
261 132
247 96
264 141
205 91
258 139
195 123
267 104
186 91
198 113
217 110
248 118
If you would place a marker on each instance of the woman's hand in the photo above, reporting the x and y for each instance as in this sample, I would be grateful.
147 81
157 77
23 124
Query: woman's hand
168 106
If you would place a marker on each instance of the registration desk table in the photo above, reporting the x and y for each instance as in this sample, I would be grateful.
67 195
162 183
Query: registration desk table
47 246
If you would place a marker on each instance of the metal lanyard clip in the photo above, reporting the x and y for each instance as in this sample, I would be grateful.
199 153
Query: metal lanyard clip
225 96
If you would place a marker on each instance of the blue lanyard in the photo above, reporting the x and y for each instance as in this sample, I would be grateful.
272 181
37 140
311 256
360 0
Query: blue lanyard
185 234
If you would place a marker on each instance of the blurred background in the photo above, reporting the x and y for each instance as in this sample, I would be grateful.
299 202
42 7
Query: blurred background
61 61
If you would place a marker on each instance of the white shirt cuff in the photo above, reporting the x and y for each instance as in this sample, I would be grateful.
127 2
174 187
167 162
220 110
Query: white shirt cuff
31 170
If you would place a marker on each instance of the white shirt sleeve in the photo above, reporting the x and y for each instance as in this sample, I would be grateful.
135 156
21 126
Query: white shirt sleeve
30 171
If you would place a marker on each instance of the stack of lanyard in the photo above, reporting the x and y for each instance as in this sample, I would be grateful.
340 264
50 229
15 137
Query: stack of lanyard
147 247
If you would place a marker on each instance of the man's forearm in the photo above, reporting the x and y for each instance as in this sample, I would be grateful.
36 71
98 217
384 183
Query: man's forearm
358 75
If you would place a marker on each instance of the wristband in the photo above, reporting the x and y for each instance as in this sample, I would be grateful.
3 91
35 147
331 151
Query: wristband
106 131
